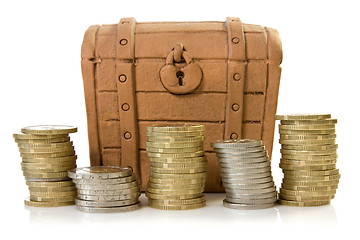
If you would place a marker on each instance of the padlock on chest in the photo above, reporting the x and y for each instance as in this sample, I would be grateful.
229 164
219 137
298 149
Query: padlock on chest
180 75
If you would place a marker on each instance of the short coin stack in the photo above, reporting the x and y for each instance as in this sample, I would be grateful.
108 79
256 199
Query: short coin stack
106 189
47 154
308 160
246 174
178 167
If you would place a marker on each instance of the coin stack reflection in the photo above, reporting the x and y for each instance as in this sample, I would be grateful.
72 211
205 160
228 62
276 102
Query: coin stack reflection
246 174
308 160
47 154
106 189
178 167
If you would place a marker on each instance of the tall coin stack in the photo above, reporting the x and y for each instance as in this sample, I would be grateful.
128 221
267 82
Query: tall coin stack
246 174
178 167
308 160
47 154
106 189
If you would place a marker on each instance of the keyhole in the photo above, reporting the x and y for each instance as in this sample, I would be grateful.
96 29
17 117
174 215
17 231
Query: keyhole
180 76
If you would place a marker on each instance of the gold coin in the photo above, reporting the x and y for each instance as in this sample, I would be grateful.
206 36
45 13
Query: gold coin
46 175
178 160
49 129
303 204
309 122
176 134
307 127
303 117
311 172
174 191
176 186
52 189
31 203
178 176
47 165
43 141
178 170
179 165
172 197
58 160
176 155
309 188
175 150
52 194
309 157
308 142
177 207
316 167
175 128
307 153
50 184
174 145
23 136
53 199
46 145
177 181
307 193
307 137
175 139
305 199
307 163
309 148
48 170
309 183
178 202
48 155
306 132
46 150
308 178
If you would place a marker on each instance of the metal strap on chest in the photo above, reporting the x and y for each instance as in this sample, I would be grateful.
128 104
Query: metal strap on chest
125 78
236 78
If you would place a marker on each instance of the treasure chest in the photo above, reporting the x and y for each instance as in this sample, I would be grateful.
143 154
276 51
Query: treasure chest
224 75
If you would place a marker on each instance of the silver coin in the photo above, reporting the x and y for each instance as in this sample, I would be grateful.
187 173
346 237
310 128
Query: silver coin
247 181
100 172
245 170
107 186
241 155
248 186
105 181
108 192
119 197
243 160
226 176
251 191
246 206
253 196
245 165
109 209
47 179
240 150
252 201
236 143
119 203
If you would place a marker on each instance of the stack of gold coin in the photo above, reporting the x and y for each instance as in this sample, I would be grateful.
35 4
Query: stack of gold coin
246 174
47 154
308 159
105 189
178 167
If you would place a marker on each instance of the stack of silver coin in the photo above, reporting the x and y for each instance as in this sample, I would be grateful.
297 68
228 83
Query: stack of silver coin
105 189
47 154
246 174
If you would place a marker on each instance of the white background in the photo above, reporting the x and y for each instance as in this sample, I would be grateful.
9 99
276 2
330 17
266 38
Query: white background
41 83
